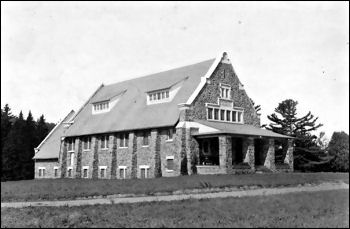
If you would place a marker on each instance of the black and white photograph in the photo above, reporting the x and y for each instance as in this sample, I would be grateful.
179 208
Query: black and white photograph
153 114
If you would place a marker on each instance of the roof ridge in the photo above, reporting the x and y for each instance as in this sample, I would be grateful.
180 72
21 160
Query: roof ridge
148 75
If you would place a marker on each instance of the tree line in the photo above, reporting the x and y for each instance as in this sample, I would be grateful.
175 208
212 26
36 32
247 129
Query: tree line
19 137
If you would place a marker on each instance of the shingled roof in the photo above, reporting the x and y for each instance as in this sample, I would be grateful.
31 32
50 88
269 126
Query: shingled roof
49 148
132 112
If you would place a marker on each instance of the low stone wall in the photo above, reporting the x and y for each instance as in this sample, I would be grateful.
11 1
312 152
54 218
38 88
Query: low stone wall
207 169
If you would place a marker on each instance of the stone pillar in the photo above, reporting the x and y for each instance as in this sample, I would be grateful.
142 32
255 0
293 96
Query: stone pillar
133 136
248 147
192 150
94 146
78 142
185 112
289 155
225 152
113 144
270 155
155 136
63 158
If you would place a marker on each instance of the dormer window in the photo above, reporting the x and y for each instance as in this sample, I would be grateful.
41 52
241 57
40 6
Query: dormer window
225 91
100 107
158 96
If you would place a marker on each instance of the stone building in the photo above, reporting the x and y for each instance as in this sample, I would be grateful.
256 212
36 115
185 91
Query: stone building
196 119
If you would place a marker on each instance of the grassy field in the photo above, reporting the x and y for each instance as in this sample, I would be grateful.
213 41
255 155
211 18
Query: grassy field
71 188
317 209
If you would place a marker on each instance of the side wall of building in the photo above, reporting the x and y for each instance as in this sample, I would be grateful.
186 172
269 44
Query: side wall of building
49 166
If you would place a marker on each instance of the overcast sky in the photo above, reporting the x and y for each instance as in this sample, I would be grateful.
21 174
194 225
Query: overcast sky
54 55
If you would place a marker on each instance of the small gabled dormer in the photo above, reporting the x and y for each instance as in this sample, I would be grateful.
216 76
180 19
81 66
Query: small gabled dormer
105 105
164 95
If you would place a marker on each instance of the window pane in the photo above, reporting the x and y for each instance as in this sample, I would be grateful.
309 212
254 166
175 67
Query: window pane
158 95
102 173
233 116
216 114
150 97
228 115
170 164
39 172
239 116
85 172
56 172
222 115
163 95
210 113
126 140
121 173
143 173
167 94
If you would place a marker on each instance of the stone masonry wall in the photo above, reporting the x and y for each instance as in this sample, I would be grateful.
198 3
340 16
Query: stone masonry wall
224 73
49 166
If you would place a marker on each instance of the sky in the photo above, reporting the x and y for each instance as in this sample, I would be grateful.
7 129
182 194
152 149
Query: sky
54 55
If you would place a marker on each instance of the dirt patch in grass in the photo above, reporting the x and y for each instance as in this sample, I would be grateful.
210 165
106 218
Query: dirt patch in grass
318 209
59 189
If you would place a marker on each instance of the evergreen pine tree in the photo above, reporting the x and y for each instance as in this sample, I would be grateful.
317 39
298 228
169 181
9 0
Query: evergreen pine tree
30 144
6 123
307 154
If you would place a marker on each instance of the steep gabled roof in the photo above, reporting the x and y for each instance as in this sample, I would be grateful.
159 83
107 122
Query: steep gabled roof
49 147
131 111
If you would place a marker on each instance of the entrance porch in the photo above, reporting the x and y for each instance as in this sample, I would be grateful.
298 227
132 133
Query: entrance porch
235 154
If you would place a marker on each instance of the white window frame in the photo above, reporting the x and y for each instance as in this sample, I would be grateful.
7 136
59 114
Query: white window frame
101 107
99 171
70 168
88 143
55 168
146 167
106 141
148 134
71 142
124 138
124 169
168 139
227 91
43 171
169 158
225 115
71 159
87 173
164 96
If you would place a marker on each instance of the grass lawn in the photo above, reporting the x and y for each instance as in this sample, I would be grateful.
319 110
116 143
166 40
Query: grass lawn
50 189
317 209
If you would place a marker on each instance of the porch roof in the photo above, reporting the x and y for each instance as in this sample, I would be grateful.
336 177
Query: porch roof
236 129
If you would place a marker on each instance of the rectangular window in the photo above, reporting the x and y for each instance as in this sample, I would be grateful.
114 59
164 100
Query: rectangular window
239 117
144 171
228 116
104 142
216 114
225 91
170 133
85 173
103 171
150 97
167 94
210 113
170 164
124 140
145 141
122 172
70 172
222 115
71 144
56 172
72 159
87 143
234 116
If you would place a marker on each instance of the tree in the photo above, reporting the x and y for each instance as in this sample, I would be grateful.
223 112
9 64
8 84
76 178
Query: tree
28 151
338 148
14 147
6 123
256 107
42 129
307 154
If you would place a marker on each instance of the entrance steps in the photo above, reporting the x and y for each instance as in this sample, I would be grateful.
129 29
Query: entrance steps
262 169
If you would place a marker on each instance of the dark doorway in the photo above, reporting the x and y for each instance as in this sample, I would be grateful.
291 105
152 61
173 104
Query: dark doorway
237 150
209 151
258 151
